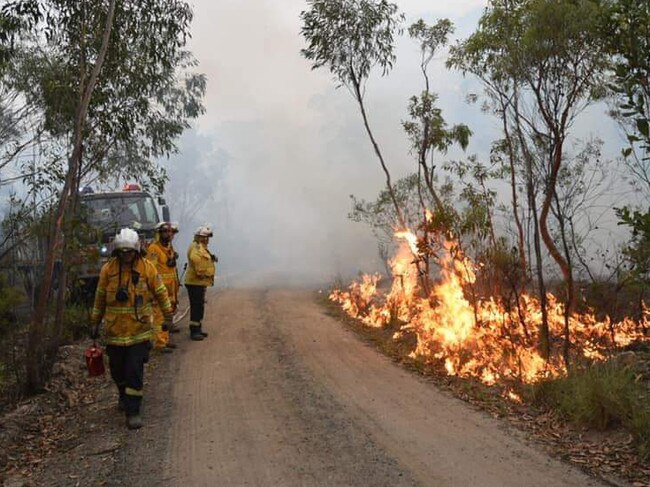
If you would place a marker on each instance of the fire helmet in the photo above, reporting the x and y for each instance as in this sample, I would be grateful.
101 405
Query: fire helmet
203 231
159 226
127 239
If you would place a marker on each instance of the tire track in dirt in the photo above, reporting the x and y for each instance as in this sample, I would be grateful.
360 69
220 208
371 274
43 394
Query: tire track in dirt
247 413
281 394
439 439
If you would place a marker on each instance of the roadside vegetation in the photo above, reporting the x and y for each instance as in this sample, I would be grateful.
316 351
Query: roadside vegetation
525 269
91 92
602 396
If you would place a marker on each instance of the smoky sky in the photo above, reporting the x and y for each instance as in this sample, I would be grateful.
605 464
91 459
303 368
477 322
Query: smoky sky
280 148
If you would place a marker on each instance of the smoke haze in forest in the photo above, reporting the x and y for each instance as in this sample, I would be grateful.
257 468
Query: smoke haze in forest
272 163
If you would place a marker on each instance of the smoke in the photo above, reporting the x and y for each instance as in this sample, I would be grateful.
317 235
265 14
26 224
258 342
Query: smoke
273 162
280 150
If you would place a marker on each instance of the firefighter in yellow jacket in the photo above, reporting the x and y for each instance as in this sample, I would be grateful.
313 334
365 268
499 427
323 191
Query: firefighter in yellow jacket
161 253
128 286
200 274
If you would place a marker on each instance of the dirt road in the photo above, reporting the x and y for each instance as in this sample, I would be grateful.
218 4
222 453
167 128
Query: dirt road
282 395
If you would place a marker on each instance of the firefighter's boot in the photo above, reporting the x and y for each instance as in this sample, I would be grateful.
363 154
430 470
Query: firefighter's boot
134 421
195 333
201 330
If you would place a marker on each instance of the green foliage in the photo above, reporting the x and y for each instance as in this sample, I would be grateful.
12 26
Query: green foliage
626 29
427 129
350 37
380 214
638 249
475 194
626 33
551 48
15 18
10 299
601 396
431 37
75 322
146 93
107 95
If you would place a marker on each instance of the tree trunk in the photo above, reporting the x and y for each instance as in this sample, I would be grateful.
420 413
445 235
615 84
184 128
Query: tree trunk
389 184
544 332
36 368
548 240
513 187
569 283
546 207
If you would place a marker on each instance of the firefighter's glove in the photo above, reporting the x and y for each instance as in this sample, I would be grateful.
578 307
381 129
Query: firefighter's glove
214 258
167 324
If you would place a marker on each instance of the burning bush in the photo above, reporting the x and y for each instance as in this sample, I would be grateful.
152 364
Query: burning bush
473 336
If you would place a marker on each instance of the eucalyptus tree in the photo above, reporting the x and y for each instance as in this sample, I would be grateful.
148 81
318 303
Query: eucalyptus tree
350 38
380 214
112 79
626 31
542 61
429 134
427 129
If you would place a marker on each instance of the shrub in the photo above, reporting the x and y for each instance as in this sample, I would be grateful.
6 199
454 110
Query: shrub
10 299
601 396
75 322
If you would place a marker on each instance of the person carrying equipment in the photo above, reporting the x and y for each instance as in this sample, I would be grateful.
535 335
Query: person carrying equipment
128 286
200 274
162 255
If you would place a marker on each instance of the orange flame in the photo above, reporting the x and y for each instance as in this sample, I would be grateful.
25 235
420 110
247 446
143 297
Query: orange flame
481 340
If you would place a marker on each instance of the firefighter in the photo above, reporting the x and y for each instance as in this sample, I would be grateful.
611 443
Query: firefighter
175 230
128 285
161 253
200 275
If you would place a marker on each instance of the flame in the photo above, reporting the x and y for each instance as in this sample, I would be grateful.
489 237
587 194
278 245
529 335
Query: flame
514 397
411 239
483 340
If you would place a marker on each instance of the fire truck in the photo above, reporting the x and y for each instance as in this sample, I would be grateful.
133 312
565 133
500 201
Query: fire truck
102 215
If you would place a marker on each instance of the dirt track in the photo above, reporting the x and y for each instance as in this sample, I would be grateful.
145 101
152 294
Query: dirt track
282 395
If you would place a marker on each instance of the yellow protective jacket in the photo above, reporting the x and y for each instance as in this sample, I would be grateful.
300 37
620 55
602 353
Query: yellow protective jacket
125 323
200 266
159 255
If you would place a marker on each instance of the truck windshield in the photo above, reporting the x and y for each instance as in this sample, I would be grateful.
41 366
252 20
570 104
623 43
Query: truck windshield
112 212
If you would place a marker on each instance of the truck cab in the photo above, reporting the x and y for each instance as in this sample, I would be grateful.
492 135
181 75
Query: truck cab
102 215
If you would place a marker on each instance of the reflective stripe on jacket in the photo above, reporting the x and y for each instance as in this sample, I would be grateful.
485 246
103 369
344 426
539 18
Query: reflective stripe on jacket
200 266
125 323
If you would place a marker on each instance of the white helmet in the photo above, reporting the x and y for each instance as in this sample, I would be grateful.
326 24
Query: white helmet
161 225
203 231
127 239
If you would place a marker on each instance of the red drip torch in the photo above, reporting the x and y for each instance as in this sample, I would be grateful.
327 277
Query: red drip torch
94 359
